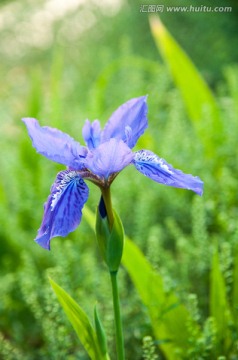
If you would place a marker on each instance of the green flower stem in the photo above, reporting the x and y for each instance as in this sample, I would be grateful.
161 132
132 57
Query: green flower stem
106 194
117 317
113 249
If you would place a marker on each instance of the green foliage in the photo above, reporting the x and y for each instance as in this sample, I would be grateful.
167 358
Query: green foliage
81 324
197 96
190 243
149 349
167 315
101 335
218 303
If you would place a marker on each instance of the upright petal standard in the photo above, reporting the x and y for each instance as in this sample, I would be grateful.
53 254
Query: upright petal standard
128 122
109 158
107 152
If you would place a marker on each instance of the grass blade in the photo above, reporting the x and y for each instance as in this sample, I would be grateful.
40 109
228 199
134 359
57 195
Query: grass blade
198 98
219 307
80 322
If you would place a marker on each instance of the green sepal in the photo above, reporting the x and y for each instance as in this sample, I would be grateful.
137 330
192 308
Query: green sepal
101 335
110 242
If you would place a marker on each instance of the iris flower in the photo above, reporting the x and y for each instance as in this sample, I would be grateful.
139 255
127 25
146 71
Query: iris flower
106 153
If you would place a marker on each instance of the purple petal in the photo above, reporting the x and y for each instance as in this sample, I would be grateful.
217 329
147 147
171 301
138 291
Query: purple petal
128 122
63 209
159 170
92 134
55 145
110 157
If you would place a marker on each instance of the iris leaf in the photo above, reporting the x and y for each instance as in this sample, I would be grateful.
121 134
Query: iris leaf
80 323
219 307
197 96
235 282
169 318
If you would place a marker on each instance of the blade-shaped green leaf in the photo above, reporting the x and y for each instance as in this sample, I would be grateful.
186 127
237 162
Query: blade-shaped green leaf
80 322
101 335
168 317
219 307
198 98
235 282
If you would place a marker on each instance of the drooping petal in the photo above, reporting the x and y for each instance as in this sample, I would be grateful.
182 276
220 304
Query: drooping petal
159 170
92 134
109 157
55 145
63 209
128 122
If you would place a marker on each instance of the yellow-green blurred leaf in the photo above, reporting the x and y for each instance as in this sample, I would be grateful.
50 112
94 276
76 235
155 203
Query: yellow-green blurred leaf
235 282
219 307
198 98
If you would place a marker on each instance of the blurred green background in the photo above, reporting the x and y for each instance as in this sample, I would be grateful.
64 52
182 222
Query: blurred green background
63 62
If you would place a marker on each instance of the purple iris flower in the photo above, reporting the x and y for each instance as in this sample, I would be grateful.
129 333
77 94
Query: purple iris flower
106 153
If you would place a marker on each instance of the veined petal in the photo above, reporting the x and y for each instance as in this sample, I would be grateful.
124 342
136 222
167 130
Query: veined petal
152 166
109 157
63 209
56 145
92 134
128 122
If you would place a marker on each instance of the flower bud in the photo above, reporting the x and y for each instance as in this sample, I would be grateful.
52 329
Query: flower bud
110 241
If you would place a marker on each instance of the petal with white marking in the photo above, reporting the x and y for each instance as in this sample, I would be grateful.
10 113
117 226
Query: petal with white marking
63 209
157 169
